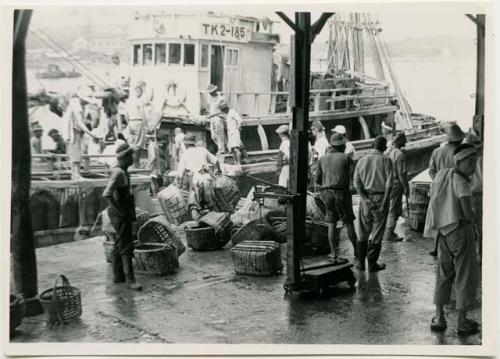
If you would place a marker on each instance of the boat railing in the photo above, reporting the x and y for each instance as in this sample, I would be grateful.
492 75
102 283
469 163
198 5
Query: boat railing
253 104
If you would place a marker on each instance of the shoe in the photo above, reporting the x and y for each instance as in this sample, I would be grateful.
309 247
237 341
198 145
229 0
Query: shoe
337 260
470 327
433 253
395 238
438 326
134 286
376 267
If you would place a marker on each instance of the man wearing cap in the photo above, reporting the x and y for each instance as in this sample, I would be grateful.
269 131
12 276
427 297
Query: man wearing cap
442 158
193 174
283 161
58 140
233 126
77 128
477 191
450 217
400 186
135 118
213 99
321 144
334 174
179 145
36 140
373 181
349 148
121 211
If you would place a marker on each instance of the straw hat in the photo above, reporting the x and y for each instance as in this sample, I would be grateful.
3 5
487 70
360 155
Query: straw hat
283 129
123 149
85 93
339 129
338 140
211 88
454 133
189 139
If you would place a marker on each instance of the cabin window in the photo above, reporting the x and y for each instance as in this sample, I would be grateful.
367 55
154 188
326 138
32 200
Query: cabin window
232 57
147 53
188 54
204 56
160 54
137 52
174 54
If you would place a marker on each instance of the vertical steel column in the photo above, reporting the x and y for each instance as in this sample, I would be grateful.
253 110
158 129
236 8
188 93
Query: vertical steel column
479 109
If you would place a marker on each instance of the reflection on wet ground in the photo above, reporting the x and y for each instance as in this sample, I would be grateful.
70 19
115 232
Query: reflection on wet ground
205 302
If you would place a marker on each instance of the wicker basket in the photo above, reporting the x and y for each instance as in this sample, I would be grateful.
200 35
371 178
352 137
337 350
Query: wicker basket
315 207
17 311
419 193
142 216
201 238
227 193
316 237
281 230
156 258
61 303
174 203
417 218
254 231
158 230
262 258
109 246
222 225
275 215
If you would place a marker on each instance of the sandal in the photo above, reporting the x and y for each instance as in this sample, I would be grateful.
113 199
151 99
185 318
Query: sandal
337 260
438 326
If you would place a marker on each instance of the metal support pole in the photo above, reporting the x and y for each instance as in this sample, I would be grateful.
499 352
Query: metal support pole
479 108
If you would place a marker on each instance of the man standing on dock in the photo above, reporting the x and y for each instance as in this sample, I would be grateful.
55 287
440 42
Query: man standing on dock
217 123
400 186
373 182
135 118
349 148
450 218
334 174
442 158
121 211
283 161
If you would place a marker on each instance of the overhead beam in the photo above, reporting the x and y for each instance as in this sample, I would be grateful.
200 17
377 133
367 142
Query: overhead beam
476 20
287 20
318 25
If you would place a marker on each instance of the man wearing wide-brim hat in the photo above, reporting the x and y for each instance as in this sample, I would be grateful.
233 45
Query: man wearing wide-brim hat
283 160
213 99
334 174
400 185
77 128
450 218
442 158
121 212
36 139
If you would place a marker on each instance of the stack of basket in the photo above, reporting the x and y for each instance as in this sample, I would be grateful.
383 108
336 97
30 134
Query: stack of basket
255 230
174 203
316 242
227 194
418 203
212 232
261 258
156 258
277 219
159 230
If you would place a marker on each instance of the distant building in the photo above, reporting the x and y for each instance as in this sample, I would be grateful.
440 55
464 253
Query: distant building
100 43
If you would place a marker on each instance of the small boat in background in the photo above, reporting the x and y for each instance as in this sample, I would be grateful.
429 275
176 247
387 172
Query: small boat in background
54 72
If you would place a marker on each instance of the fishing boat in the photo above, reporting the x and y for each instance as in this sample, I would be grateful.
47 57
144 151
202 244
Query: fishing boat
54 72
179 55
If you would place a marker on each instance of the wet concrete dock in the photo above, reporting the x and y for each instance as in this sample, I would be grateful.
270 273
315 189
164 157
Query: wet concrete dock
206 302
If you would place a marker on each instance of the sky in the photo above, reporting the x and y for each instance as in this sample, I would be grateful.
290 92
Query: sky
398 23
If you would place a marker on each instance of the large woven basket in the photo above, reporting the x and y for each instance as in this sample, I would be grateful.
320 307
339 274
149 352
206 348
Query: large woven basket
156 258
419 193
62 303
174 203
201 238
227 193
316 237
417 217
17 311
255 230
262 258
142 216
281 229
222 225
159 230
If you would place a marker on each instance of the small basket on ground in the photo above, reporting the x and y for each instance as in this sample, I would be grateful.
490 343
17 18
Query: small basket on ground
159 230
156 258
316 242
255 230
17 311
260 258
201 237
416 217
222 225
62 303
174 203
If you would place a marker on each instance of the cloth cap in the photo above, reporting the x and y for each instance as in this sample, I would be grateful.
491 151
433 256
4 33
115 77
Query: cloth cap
318 125
454 133
283 129
37 128
85 93
189 138
123 149
400 136
463 151
340 129
211 88
338 140
472 139
223 104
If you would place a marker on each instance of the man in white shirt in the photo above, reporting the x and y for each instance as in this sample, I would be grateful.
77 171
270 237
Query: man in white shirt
349 148
283 162
119 75
321 143
233 126
135 118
